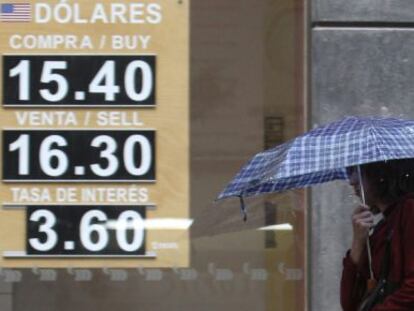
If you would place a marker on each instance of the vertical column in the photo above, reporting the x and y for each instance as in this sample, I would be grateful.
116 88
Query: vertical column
6 296
361 64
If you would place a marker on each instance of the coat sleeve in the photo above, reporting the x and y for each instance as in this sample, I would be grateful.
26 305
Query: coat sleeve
403 298
352 285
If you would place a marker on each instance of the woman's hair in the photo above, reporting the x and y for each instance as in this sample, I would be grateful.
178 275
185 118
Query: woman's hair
391 179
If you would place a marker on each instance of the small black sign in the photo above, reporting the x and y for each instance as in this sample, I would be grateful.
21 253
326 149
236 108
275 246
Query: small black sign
79 80
78 155
85 230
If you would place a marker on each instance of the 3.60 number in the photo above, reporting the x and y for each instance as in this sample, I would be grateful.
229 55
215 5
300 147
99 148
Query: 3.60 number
93 230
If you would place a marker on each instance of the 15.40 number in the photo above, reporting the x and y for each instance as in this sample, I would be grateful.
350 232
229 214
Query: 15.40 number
103 82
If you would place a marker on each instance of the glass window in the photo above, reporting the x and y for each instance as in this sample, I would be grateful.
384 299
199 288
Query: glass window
246 79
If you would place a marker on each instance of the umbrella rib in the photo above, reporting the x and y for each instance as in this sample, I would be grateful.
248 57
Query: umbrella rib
378 143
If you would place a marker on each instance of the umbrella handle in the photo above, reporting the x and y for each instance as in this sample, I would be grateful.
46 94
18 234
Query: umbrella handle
243 207
361 186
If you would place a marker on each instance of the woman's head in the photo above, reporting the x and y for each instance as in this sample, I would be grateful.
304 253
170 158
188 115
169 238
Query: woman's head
386 181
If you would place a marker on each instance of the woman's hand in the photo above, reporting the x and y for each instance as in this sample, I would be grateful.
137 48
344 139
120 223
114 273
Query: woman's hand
362 221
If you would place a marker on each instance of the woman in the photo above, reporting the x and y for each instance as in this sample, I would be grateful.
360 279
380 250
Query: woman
389 189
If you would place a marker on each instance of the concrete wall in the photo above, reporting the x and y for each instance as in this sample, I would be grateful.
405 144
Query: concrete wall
362 63
398 11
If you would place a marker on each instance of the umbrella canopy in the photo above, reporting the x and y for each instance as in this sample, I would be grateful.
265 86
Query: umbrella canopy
322 155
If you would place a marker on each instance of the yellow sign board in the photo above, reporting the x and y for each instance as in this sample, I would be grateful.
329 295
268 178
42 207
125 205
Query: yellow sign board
95 133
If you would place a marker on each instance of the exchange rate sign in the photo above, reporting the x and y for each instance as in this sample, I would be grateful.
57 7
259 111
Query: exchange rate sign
94 134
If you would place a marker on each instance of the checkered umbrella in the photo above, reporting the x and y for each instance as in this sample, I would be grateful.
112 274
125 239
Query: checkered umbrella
322 155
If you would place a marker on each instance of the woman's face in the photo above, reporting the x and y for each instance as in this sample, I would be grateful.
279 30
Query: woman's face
370 197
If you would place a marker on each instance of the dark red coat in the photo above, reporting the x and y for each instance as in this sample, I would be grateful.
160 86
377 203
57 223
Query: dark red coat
399 217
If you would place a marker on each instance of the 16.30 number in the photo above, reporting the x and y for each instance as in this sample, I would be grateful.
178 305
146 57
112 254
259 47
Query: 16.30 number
50 153
85 155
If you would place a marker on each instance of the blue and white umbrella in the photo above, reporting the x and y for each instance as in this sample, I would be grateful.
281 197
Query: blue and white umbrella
322 154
